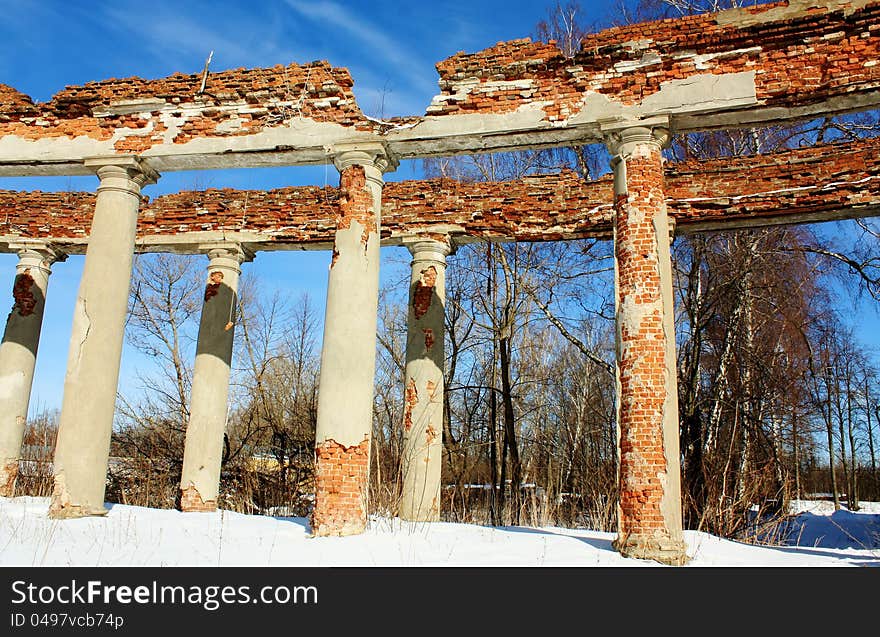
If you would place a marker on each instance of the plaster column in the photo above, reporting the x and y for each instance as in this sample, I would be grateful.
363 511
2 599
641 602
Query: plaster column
649 513
421 460
203 449
348 355
18 352
86 423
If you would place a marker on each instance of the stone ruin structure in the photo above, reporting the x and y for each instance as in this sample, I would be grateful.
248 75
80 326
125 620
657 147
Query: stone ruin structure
629 87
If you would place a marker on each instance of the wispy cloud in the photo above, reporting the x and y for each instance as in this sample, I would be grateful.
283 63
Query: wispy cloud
375 43
184 41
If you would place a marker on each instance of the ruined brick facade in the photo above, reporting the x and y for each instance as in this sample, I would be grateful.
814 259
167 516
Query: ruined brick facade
842 179
139 113
798 52
340 488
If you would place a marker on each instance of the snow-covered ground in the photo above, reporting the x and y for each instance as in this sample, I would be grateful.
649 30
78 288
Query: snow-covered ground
150 537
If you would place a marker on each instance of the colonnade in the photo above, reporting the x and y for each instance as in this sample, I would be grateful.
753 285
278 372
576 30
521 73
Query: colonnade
649 512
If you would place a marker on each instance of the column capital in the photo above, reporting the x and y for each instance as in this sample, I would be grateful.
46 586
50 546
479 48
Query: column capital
429 247
132 172
225 255
34 253
622 136
375 154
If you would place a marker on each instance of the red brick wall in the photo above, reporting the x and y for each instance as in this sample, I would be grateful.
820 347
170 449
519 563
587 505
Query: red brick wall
805 58
191 502
548 207
256 99
340 489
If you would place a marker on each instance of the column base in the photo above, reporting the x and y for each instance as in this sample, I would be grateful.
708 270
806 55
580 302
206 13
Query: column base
646 547
191 502
8 475
61 507
340 489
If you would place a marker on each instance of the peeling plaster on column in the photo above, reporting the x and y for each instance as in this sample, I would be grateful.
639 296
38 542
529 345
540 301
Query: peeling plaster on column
348 354
411 399
423 415
649 509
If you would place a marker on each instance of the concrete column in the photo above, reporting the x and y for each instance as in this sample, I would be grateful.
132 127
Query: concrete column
649 513
348 355
421 459
83 446
203 449
18 352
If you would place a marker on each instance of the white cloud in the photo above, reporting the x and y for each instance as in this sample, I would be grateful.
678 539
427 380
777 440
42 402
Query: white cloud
382 50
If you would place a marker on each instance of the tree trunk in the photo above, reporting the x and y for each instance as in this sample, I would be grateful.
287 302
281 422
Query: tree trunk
510 430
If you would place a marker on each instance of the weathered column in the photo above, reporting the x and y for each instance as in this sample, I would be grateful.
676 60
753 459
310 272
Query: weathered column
348 355
421 459
18 352
649 513
86 422
203 449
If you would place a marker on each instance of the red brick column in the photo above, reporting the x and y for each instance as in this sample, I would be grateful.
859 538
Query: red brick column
649 512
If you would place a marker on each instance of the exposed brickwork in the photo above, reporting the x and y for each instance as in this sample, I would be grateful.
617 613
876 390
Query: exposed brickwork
141 113
355 202
340 489
642 343
213 285
411 399
540 208
8 475
806 55
23 294
191 502
424 291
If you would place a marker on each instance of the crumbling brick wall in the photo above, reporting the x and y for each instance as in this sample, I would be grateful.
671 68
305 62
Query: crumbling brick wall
818 180
141 113
800 52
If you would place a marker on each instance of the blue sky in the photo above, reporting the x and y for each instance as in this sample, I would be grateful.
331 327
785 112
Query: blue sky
389 47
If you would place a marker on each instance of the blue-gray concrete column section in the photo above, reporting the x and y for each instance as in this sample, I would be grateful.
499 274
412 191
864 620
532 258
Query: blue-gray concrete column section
203 449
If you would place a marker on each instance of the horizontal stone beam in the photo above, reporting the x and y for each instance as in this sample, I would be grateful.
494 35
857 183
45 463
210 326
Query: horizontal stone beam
821 183
769 63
